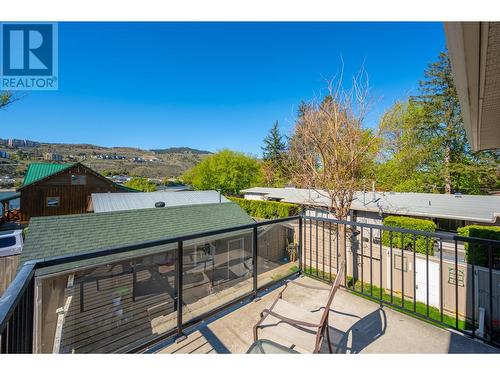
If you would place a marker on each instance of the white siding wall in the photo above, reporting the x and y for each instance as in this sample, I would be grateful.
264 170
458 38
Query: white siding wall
254 197
370 218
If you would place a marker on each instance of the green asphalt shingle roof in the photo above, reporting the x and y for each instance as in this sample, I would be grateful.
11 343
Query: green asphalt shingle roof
38 171
52 236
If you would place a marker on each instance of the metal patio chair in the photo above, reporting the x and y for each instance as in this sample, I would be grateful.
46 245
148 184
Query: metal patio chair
301 328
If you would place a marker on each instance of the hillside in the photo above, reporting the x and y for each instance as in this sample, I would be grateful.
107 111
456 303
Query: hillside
180 150
160 163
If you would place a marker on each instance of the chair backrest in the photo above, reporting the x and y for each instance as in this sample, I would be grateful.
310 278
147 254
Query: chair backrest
324 317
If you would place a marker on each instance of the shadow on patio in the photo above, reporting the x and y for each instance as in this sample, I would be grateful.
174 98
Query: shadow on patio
356 326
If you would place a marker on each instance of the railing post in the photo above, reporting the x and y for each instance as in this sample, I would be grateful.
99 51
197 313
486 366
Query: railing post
473 290
316 241
456 284
254 256
490 287
299 248
427 287
441 283
178 287
391 265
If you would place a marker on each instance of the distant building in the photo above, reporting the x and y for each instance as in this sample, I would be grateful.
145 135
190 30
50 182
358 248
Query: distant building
61 189
448 211
21 143
28 143
4 155
50 156
15 142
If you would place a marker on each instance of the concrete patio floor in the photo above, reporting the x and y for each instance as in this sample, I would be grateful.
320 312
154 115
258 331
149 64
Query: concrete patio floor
356 326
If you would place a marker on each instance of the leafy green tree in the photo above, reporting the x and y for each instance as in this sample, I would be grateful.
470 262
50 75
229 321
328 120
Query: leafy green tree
169 182
424 144
141 184
403 154
227 171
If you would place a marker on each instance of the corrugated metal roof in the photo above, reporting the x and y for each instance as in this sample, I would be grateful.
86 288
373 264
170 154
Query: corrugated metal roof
479 208
108 202
38 171
52 236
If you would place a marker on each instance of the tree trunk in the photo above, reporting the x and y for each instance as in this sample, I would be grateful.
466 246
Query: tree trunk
447 177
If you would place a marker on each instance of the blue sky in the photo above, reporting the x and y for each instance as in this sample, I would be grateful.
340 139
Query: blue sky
211 85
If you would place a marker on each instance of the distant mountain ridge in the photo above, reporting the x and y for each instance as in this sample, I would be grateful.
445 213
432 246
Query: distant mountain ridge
156 163
168 150
179 150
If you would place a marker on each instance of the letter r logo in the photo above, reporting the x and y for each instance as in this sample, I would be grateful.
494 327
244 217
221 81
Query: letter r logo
27 49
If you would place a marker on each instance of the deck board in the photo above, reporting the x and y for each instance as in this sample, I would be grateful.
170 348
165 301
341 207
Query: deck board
112 322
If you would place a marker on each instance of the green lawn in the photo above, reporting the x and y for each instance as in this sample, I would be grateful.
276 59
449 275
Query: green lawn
397 302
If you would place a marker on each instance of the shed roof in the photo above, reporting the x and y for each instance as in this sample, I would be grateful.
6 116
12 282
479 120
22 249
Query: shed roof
39 171
106 202
476 208
53 236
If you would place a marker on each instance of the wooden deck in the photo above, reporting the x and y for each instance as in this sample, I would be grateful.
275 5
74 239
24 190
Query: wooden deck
112 322
8 269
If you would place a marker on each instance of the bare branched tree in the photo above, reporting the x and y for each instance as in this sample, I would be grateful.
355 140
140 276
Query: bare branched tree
7 98
330 148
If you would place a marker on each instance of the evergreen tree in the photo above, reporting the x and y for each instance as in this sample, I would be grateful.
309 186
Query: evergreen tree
274 154
274 146
443 125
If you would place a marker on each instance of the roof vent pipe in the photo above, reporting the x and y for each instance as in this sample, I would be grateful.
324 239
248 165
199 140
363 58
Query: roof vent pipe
159 204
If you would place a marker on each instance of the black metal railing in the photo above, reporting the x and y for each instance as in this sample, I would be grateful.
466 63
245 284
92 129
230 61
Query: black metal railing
17 313
381 264
17 305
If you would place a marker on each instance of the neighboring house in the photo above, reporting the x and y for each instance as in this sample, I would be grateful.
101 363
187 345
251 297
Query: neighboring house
50 156
8 199
61 189
448 211
173 188
103 202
